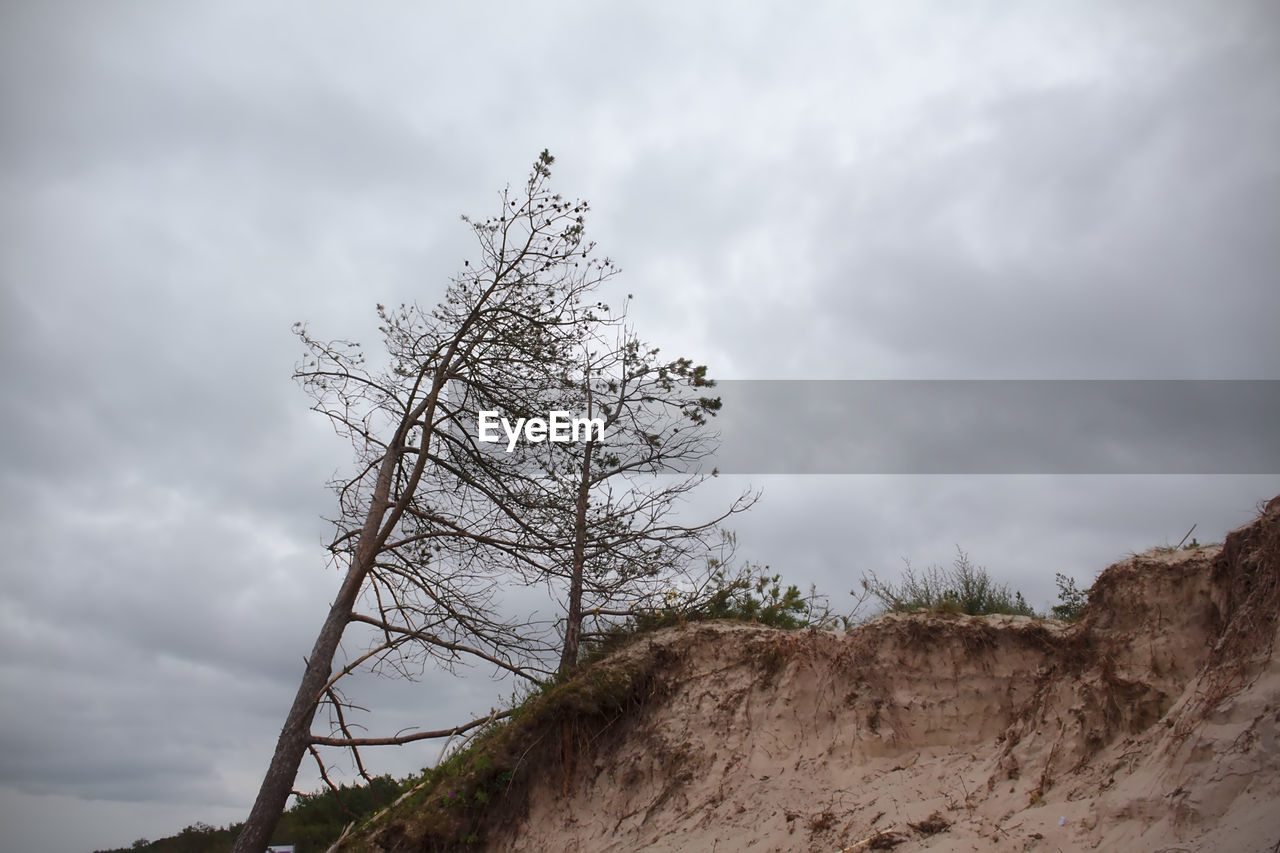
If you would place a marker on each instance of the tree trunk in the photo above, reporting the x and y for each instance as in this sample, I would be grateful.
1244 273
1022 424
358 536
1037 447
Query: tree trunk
295 737
277 785
573 629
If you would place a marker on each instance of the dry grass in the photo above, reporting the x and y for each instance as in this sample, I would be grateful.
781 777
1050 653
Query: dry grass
931 825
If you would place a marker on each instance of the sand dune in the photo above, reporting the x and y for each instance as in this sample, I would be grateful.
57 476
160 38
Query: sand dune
1151 725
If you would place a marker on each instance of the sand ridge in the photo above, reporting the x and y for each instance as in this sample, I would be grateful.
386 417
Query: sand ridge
1150 725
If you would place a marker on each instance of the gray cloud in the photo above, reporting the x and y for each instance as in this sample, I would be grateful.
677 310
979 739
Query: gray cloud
882 191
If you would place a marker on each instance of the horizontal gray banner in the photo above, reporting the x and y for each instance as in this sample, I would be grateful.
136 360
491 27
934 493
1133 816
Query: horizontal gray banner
997 427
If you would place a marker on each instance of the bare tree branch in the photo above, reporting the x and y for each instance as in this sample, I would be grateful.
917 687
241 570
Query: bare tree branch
401 739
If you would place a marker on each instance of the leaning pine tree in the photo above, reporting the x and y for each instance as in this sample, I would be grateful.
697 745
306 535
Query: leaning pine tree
427 514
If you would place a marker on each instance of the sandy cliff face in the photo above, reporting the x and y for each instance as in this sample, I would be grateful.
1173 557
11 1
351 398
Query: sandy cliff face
1150 726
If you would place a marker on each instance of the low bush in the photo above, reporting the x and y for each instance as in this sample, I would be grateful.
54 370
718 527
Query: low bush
1072 599
962 588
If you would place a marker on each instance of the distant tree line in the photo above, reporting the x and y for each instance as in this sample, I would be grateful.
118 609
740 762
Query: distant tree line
311 825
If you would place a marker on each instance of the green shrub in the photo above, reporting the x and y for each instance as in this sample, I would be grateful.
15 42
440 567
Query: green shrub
753 595
761 598
1072 599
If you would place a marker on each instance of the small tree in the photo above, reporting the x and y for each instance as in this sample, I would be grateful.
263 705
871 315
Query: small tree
621 487
1071 599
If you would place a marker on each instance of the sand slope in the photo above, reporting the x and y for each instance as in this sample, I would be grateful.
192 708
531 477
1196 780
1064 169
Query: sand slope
1149 726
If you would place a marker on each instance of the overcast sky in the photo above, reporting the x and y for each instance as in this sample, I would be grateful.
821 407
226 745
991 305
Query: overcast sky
854 190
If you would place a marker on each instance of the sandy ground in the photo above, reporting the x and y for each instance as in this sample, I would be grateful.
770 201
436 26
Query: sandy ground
1150 726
